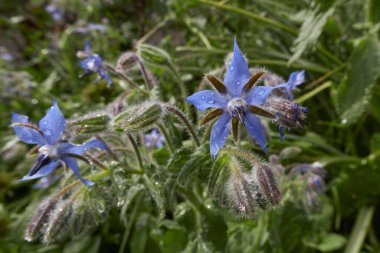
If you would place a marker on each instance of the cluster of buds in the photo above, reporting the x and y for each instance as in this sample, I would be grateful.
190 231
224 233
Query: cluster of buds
58 217
248 189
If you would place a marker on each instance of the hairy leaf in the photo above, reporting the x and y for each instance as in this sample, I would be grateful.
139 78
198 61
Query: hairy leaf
310 31
355 91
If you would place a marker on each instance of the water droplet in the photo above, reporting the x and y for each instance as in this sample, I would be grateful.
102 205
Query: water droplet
210 101
203 97
47 133
44 122
212 93
238 83
231 68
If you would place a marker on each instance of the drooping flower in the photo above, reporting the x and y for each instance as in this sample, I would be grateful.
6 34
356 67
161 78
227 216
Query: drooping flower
238 100
53 150
93 63
154 139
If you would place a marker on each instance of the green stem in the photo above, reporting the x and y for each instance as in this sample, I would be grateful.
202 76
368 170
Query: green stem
251 15
326 76
167 138
181 85
260 229
207 133
359 232
185 120
314 92
136 149
129 225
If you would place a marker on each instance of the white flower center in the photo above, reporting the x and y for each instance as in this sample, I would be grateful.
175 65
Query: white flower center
51 151
237 108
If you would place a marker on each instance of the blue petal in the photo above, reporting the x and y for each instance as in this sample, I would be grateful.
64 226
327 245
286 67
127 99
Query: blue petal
52 124
296 78
207 99
219 133
258 94
237 73
255 129
87 47
92 63
68 148
73 165
43 171
26 134
104 75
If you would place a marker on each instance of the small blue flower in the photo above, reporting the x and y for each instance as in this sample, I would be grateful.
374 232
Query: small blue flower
154 139
237 100
55 12
53 151
93 63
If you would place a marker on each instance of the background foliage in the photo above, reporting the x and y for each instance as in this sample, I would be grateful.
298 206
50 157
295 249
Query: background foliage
177 202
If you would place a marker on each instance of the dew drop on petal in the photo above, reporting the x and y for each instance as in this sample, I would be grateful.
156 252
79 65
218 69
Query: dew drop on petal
238 83
203 97
210 101
231 68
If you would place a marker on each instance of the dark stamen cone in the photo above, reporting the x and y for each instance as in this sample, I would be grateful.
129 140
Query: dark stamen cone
40 217
267 184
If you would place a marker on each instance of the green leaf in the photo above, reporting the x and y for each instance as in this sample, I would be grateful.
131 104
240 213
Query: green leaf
213 230
355 91
310 31
329 242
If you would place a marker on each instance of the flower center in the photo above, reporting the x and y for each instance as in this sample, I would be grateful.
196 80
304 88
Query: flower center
237 108
51 151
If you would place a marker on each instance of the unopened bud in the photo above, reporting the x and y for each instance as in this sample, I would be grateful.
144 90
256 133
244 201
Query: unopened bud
40 217
137 118
153 55
91 123
82 220
267 184
241 192
287 113
127 61
57 227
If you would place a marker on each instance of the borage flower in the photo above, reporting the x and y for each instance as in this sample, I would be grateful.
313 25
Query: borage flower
237 99
93 63
154 139
53 151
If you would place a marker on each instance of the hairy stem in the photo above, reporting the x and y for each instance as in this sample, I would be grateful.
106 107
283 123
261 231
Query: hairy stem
185 120
136 149
167 138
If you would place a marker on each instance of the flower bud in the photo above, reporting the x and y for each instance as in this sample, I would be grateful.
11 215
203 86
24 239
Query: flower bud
57 226
137 118
153 55
127 61
287 113
241 192
40 217
267 184
91 123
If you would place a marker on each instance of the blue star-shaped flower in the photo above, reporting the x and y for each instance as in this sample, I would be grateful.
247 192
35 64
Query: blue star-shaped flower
154 139
53 151
94 63
238 100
